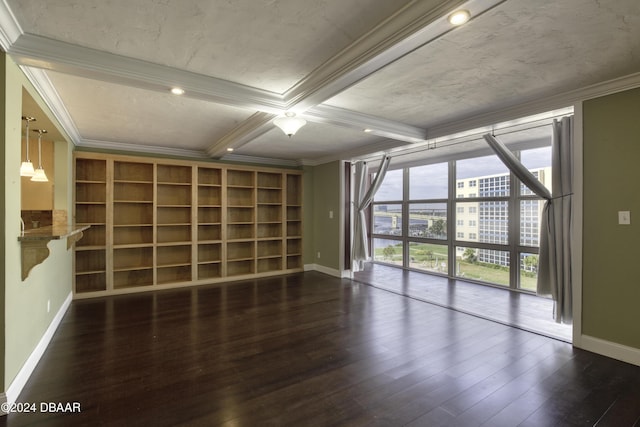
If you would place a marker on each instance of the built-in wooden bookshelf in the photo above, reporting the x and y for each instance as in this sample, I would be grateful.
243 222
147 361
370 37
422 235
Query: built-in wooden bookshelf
91 209
294 221
209 223
158 223
270 215
174 204
241 222
131 237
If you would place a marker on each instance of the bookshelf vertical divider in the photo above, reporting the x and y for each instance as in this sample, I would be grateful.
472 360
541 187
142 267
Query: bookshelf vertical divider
194 222
108 228
154 213
254 226
223 220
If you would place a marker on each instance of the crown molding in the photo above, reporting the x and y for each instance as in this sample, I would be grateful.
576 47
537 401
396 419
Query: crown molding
147 149
540 105
245 132
49 54
10 30
239 158
49 94
379 146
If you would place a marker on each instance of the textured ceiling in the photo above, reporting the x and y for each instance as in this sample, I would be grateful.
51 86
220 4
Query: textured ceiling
139 116
519 51
398 68
267 44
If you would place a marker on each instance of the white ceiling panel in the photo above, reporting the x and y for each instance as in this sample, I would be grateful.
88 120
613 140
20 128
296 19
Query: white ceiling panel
114 113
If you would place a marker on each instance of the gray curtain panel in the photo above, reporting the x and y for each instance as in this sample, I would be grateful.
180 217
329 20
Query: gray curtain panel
362 199
554 267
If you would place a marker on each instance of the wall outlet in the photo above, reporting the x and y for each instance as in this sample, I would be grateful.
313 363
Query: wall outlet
330 214
48 305
318 254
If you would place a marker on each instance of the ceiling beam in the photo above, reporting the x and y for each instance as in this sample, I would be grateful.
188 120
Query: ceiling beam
245 132
414 25
42 52
372 124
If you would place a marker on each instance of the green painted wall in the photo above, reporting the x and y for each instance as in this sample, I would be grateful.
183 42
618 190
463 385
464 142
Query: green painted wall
611 278
25 302
322 194
308 239
3 207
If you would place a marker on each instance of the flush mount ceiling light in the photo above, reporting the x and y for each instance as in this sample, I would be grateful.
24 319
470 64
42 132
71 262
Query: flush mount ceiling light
289 123
26 168
459 17
39 175
177 91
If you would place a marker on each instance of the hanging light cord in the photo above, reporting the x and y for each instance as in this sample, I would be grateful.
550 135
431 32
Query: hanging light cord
27 119
40 149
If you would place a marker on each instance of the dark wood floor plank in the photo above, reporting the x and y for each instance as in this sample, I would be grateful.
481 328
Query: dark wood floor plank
624 411
308 349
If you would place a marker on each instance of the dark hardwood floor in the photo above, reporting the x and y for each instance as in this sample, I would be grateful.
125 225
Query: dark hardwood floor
312 350
518 309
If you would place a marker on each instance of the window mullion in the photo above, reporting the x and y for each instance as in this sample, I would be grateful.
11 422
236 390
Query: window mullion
405 216
451 219
514 230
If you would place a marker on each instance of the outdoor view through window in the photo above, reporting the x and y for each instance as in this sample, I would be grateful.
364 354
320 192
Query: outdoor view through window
468 216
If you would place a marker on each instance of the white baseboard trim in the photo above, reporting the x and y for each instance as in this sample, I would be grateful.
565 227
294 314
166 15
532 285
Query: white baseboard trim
27 369
322 269
610 349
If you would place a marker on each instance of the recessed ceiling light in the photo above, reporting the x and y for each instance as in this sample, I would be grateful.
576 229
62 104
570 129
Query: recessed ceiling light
230 149
368 130
459 17
177 91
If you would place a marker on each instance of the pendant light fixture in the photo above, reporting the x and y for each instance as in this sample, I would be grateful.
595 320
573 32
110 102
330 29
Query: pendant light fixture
289 123
26 168
40 176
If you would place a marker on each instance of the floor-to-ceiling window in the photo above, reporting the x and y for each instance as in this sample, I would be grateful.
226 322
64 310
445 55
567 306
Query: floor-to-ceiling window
466 216
428 217
388 241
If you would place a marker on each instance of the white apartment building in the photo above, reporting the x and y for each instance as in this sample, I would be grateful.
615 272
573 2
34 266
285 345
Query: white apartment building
488 221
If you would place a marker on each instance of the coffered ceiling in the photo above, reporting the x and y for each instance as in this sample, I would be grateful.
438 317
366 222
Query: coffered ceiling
396 68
